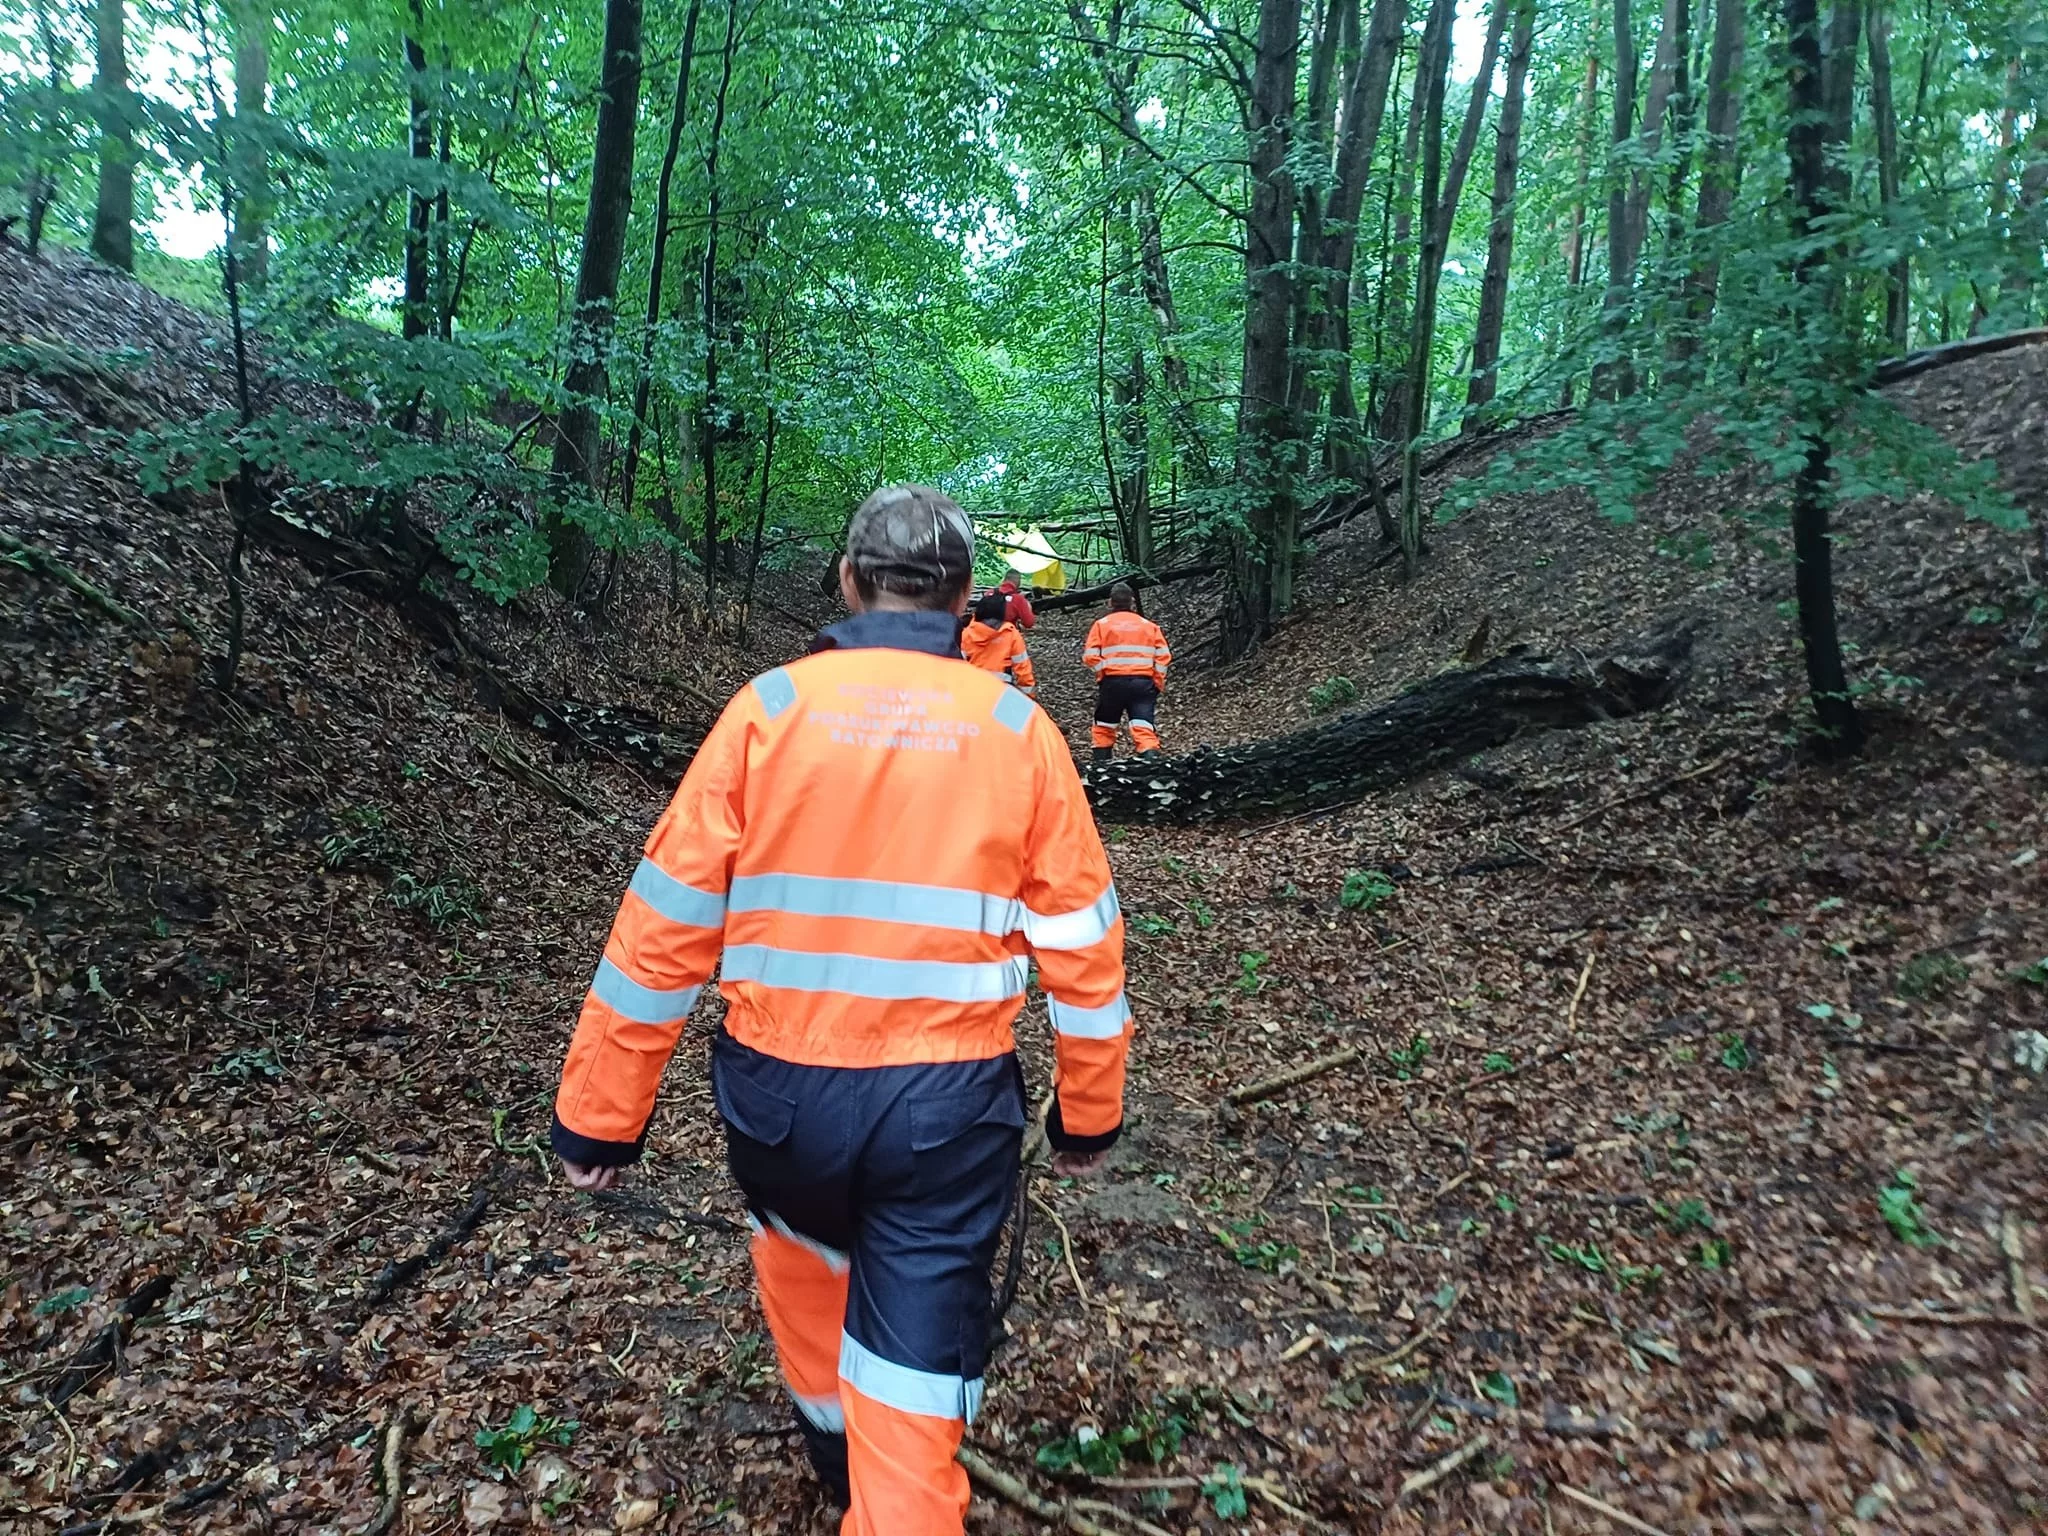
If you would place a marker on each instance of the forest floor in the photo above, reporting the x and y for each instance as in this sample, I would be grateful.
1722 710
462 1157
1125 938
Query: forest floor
1691 1163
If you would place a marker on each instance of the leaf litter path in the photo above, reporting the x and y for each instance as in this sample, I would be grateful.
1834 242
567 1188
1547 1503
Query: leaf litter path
1598 1211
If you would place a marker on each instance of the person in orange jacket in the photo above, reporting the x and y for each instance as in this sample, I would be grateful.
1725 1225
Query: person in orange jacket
874 912
992 643
1129 656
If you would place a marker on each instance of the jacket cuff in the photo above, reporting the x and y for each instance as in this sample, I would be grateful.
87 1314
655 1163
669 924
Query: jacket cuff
1064 1140
574 1147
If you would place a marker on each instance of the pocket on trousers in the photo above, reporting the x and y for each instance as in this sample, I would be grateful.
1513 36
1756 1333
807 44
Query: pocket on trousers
944 1118
751 1110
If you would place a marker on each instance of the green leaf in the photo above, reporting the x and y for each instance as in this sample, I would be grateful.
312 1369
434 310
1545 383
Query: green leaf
63 1301
1501 1388
1224 1489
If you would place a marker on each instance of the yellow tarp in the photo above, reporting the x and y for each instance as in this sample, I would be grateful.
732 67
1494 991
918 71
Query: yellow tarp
1034 560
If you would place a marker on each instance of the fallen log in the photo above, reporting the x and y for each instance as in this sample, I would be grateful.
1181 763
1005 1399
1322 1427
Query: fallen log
1897 369
1451 716
1082 597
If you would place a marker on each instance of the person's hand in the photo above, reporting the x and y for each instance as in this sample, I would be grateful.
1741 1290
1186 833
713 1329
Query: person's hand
591 1178
1080 1165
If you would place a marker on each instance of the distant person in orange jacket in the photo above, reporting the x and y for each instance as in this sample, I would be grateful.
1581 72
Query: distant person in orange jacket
1018 610
1128 654
991 642
872 845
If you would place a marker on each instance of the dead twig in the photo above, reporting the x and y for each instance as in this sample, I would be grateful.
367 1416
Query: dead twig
33 557
400 1272
1035 1140
2013 1246
1395 1357
1601 1506
1571 1018
1066 1247
392 1465
1641 794
517 765
1012 1489
156 1514
1268 1086
1443 1467
1264 1487
102 1352
1947 1319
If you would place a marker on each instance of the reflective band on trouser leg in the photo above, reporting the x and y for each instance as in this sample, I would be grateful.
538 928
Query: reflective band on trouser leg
1100 735
803 1296
1144 735
905 1480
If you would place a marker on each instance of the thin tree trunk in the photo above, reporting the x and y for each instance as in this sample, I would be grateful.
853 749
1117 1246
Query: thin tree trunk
1844 47
1809 139
2001 177
1575 237
707 428
643 377
1681 128
1434 65
1263 574
597 285
1137 486
416 321
1365 105
1500 239
1899 280
1611 375
113 226
43 182
1720 165
1394 275
1475 119
250 20
760 508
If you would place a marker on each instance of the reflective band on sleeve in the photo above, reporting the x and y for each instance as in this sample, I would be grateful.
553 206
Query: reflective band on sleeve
835 1260
945 981
1013 711
679 903
905 1388
776 690
643 1005
1104 1023
879 901
1073 930
822 1412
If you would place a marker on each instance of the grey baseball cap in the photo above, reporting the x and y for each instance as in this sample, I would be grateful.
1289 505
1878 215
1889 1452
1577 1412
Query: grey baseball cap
911 539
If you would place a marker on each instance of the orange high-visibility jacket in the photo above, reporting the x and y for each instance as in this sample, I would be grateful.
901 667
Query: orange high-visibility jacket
1127 645
999 649
874 844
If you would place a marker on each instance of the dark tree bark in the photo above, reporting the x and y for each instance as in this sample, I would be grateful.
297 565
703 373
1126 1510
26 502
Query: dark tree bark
1899 280
417 318
1432 69
1397 309
1809 139
43 184
1475 119
1575 234
643 378
1500 239
113 225
1263 584
1720 162
1611 376
1356 754
597 284
1629 200
250 20
707 422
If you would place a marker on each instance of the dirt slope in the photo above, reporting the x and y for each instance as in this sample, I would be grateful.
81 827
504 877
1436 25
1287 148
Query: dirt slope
1649 1018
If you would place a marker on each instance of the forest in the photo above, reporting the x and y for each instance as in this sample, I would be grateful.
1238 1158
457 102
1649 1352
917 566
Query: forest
1586 935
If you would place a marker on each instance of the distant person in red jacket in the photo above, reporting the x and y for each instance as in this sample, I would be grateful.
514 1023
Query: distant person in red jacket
1018 611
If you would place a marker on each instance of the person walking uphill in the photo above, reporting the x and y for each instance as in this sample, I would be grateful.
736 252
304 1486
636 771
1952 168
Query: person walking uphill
847 847
992 643
1128 654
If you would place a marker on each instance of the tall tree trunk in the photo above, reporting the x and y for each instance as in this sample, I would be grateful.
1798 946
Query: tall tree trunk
1611 377
1365 105
1575 234
1843 47
417 318
1475 119
1156 282
1898 287
2001 177
1720 164
1134 492
1500 238
597 285
1394 276
250 21
1314 136
1681 128
113 225
43 183
1809 139
643 376
1263 571
707 424
1433 67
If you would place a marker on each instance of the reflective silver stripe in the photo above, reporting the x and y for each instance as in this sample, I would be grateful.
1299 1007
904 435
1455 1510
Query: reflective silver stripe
834 1259
879 901
776 691
904 1387
1104 1023
945 981
1013 711
1073 930
674 900
823 1412
643 1005
1130 650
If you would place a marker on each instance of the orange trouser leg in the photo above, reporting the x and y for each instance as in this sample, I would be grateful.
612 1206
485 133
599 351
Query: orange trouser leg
1143 736
905 1480
803 1296
1100 735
